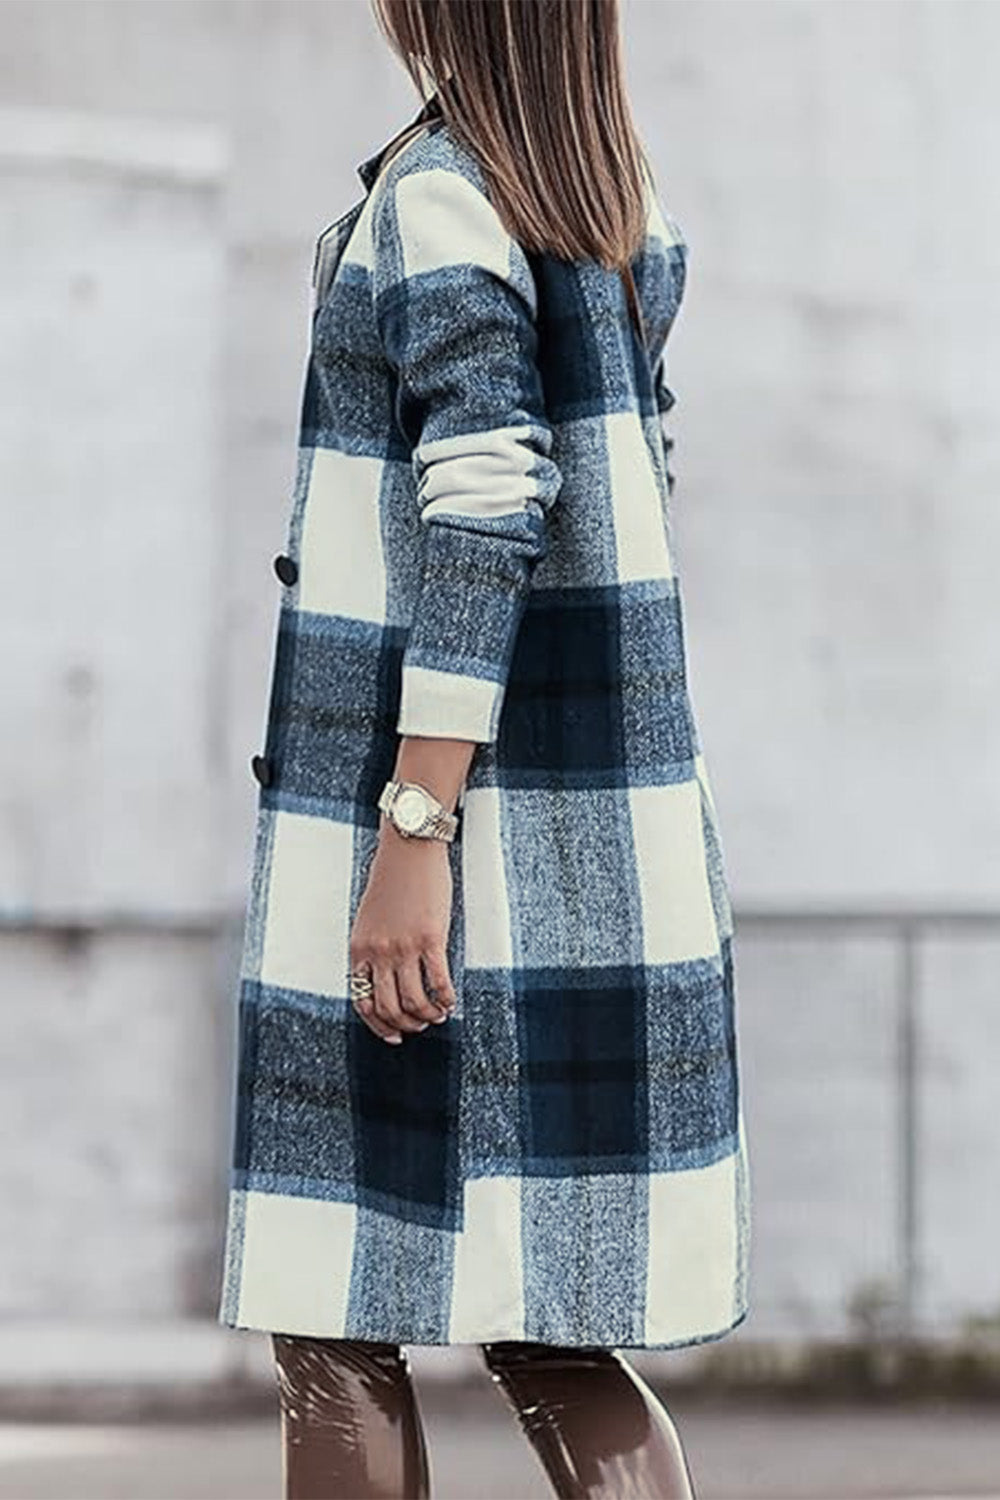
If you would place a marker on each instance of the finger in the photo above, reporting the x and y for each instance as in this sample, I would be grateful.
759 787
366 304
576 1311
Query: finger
387 1006
365 1005
410 987
439 983
360 963
366 1011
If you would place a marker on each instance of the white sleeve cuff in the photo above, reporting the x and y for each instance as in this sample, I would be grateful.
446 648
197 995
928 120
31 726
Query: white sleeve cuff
447 705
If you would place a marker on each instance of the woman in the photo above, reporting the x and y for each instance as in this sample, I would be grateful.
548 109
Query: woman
488 1085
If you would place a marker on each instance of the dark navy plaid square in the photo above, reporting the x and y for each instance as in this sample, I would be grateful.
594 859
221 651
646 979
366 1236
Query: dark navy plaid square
574 387
562 717
583 1069
405 1102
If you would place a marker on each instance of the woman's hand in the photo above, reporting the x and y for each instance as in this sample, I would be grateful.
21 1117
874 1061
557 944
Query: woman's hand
401 924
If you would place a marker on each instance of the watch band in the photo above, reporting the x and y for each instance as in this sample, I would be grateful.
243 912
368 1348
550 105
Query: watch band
438 822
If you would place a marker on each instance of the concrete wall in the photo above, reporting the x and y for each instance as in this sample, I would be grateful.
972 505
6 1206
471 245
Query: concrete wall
112 272
837 458
838 448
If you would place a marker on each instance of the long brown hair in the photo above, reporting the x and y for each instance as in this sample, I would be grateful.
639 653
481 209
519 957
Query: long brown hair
535 90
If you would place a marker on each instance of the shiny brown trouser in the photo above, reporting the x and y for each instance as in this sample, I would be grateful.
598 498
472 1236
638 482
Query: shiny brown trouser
351 1428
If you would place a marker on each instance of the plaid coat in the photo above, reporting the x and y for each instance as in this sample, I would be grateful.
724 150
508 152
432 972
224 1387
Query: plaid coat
479 547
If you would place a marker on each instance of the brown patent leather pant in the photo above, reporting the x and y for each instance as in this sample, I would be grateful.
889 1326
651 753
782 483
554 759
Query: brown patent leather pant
351 1428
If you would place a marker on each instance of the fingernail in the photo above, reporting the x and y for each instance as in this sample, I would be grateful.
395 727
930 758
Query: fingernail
394 1041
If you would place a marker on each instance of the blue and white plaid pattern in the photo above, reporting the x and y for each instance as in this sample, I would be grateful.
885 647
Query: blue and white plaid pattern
482 533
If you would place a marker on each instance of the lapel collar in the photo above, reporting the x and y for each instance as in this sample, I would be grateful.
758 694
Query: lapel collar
333 239
367 170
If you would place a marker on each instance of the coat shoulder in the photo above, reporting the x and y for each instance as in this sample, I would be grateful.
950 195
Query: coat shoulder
436 149
433 212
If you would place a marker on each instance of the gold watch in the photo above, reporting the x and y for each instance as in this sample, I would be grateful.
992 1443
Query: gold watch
415 812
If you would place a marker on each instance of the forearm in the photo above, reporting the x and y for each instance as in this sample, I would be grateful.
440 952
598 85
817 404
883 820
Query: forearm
400 929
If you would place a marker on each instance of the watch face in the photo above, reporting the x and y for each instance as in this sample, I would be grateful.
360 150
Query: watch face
409 809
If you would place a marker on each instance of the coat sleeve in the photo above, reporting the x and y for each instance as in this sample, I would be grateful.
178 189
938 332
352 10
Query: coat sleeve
456 310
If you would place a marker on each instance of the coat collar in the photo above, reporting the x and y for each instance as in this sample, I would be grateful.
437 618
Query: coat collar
367 170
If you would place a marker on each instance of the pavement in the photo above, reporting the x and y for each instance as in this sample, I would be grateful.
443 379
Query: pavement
737 1452
188 1412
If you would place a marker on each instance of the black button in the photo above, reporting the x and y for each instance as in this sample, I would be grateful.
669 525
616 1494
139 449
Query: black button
261 768
286 568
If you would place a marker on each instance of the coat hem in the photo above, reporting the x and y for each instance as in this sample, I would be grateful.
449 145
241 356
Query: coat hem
400 1336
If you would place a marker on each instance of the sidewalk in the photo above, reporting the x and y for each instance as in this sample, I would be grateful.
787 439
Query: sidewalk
188 1412
739 1453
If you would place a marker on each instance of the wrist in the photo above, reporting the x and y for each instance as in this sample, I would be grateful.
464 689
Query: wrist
441 765
389 835
415 812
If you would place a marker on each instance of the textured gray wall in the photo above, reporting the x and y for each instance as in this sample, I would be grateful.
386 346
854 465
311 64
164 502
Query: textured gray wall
837 373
